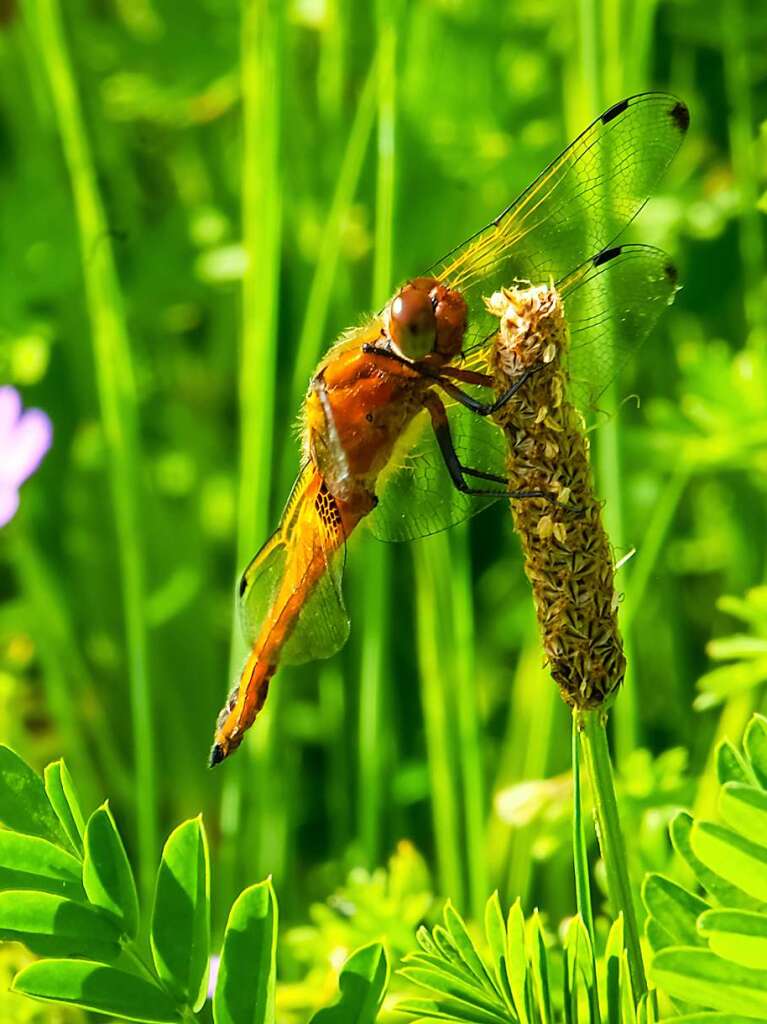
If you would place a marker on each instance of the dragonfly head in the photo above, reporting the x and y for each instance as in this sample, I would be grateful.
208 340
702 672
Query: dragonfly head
426 318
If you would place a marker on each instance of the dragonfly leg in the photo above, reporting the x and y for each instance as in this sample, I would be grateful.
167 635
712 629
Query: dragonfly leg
458 472
486 408
484 380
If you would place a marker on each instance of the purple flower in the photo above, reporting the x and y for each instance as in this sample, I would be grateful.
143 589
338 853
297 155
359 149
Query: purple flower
25 437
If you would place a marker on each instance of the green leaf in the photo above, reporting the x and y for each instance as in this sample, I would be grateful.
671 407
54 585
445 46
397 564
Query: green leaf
181 914
496 940
53 926
744 808
701 977
107 875
709 1018
724 893
540 970
613 955
363 982
446 1009
755 744
24 807
464 945
246 977
737 935
730 766
675 909
63 799
28 862
627 993
446 980
734 858
97 987
516 958
579 964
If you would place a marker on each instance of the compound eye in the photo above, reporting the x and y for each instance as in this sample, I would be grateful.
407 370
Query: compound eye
412 322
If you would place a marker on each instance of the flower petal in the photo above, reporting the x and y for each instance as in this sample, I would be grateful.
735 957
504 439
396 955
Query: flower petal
9 502
24 447
10 410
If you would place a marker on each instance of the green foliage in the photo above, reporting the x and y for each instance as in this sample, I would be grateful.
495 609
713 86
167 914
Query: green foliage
519 979
710 947
245 986
363 983
743 655
81 912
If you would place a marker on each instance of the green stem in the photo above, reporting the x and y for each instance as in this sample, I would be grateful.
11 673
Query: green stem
375 599
467 712
580 858
591 725
118 403
312 334
431 563
261 213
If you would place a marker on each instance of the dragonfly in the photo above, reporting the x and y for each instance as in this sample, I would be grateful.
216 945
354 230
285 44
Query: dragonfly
395 422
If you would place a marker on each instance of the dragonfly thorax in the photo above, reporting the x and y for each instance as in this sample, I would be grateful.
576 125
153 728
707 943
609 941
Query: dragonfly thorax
426 318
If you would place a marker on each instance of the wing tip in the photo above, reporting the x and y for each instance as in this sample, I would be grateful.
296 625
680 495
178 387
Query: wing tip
614 111
671 273
680 115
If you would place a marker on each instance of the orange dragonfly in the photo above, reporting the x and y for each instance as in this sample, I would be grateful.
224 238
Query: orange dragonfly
396 433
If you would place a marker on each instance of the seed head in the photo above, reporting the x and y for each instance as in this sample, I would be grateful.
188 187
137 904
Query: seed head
568 559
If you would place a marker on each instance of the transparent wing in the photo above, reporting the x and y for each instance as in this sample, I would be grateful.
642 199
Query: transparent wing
576 207
611 303
298 570
416 496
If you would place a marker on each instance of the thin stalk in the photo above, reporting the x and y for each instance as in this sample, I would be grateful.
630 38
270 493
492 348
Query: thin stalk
375 597
653 539
373 726
118 404
580 857
591 725
261 211
530 736
466 710
737 75
433 663
312 336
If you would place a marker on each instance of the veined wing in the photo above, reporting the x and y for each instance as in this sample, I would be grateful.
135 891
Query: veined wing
611 303
578 205
416 496
290 594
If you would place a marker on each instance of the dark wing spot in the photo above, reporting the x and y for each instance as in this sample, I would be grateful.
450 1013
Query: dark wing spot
243 583
671 273
606 255
614 111
680 115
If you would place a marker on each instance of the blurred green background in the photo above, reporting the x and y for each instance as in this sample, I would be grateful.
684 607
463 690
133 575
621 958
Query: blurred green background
196 199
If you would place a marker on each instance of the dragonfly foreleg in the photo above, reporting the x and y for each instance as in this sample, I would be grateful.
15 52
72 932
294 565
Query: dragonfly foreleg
486 408
483 380
458 472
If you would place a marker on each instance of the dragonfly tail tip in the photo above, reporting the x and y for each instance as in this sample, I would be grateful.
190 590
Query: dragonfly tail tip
217 755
